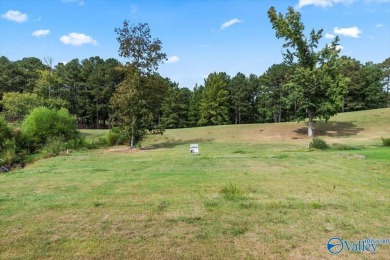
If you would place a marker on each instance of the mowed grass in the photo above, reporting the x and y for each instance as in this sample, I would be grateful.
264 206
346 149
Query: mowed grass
254 191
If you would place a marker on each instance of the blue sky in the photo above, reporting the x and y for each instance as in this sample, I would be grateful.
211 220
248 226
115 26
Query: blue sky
199 36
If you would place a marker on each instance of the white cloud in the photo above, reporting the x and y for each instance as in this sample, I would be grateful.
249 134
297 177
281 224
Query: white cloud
329 36
230 23
40 33
338 47
322 3
351 31
379 25
15 16
77 39
173 59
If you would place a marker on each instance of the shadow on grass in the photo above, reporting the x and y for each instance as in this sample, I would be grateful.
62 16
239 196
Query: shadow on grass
332 129
176 142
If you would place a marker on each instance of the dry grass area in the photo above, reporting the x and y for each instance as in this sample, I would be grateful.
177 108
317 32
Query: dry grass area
253 192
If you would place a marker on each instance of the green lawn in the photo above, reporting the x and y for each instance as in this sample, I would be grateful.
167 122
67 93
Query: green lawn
254 191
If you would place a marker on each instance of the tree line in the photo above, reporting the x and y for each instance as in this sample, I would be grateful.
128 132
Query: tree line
86 87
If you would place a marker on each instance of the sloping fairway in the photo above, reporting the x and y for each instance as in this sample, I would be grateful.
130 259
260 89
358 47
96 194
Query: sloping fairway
254 191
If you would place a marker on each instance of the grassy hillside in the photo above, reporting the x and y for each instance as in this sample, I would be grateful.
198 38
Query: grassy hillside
254 191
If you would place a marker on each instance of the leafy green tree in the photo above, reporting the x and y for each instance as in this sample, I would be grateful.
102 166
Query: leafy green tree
365 88
18 105
253 88
272 82
136 44
239 96
19 76
136 105
194 111
137 101
175 106
214 107
71 85
48 84
316 83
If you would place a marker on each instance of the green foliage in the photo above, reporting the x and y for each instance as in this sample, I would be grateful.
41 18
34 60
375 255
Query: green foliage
18 105
116 137
318 143
175 106
214 105
344 147
386 142
54 145
137 45
44 123
5 132
194 112
316 83
136 105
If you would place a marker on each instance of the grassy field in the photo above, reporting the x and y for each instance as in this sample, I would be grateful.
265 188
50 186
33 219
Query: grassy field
253 192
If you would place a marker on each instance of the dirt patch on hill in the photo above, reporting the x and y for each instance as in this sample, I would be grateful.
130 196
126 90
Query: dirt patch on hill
123 149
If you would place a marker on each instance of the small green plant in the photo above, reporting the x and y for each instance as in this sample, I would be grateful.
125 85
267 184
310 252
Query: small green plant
386 142
116 137
345 147
54 145
231 192
319 144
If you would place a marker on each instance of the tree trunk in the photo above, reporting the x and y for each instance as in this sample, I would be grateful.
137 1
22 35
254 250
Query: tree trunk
310 125
132 138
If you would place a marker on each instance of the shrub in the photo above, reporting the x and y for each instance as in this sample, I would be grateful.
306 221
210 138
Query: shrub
386 142
318 143
54 145
44 123
76 143
116 137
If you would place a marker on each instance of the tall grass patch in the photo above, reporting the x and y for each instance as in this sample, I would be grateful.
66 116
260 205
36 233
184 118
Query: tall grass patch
386 142
232 192
318 143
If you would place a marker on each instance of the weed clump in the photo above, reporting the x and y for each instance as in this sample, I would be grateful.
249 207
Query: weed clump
318 143
231 192
344 147
386 142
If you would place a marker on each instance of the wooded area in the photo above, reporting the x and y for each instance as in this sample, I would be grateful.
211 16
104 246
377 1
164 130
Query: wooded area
85 88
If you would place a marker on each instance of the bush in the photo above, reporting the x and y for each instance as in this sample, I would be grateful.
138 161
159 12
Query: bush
54 145
44 123
116 137
318 143
386 142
